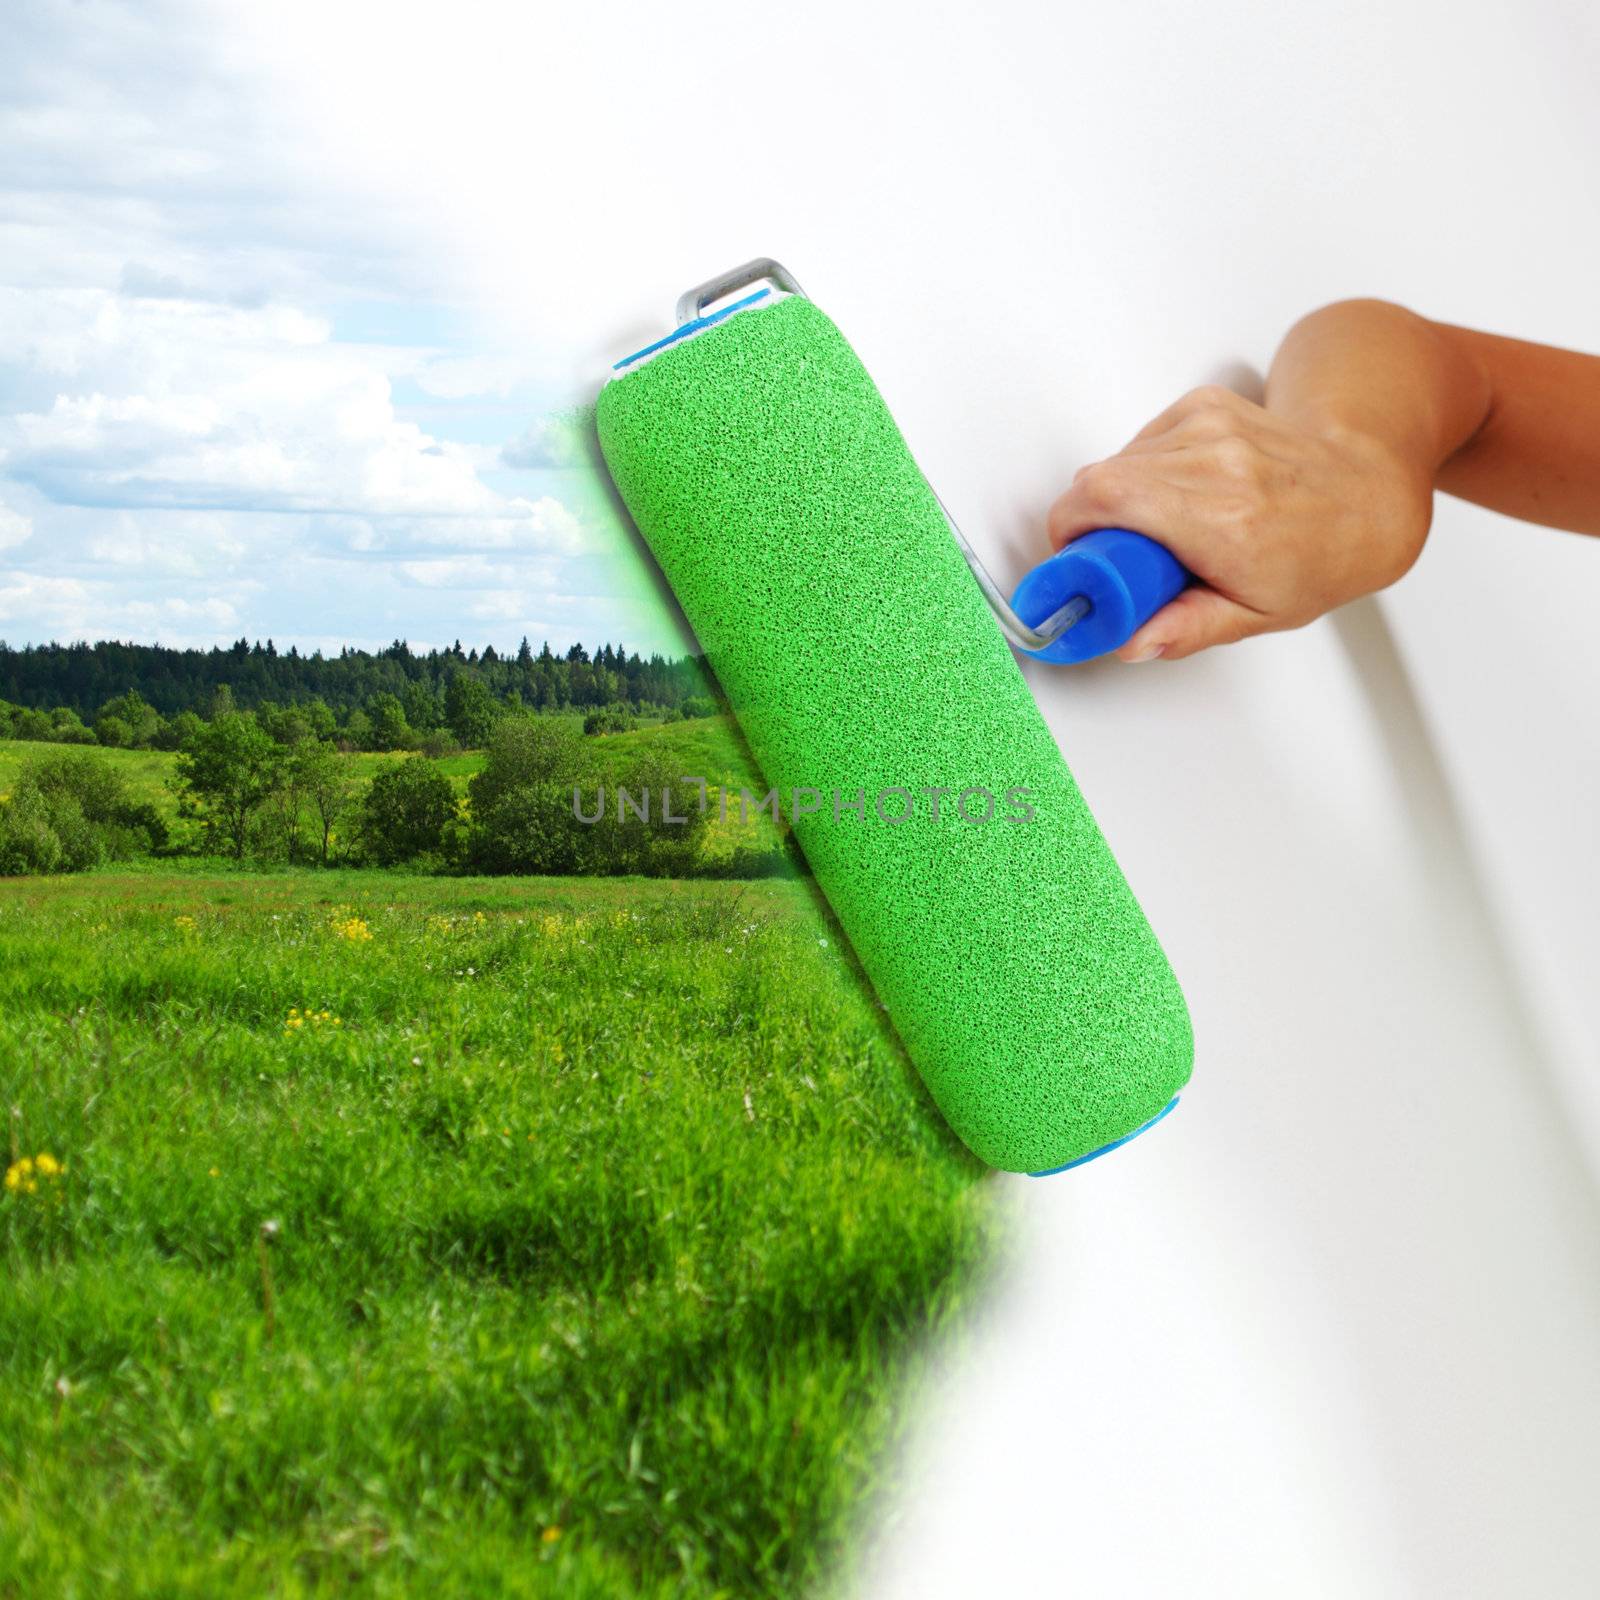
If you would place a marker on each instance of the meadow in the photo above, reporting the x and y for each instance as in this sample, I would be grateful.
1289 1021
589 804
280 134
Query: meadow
702 747
450 1236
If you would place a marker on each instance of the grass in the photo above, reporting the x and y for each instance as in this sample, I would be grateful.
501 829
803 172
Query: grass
145 771
590 1254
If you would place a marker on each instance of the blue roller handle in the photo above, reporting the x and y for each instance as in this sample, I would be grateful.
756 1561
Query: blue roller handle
1125 577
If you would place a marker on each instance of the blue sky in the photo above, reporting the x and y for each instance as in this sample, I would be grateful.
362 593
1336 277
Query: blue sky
242 396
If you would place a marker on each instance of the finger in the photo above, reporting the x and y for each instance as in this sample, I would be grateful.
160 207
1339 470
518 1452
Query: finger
1209 402
1198 619
1122 492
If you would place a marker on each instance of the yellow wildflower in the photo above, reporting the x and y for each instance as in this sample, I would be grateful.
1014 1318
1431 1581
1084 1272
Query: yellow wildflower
550 1535
352 928
299 1021
27 1173
185 925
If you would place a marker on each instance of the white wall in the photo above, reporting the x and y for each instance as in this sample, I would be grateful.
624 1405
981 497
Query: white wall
1335 1328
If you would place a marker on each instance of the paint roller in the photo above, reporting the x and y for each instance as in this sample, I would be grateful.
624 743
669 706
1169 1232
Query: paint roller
853 630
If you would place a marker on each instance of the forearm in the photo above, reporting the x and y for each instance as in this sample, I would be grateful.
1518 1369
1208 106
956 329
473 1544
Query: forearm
1508 424
1536 454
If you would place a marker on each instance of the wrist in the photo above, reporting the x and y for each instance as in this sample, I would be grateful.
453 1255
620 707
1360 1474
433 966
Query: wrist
1379 378
1380 450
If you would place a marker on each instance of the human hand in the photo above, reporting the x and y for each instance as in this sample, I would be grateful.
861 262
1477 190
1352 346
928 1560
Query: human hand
1277 520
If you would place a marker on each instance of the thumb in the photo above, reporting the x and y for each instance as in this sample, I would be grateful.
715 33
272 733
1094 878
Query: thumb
1196 620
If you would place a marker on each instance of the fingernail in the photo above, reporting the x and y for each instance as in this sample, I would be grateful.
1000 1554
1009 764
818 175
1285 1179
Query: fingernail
1148 653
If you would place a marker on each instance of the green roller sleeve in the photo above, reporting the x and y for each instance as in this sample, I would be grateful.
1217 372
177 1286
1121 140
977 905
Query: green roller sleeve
877 695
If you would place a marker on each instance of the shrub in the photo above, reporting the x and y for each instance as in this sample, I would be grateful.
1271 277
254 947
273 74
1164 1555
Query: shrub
28 843
608 719
525 751
751 861
71 812
66 727
133 722
406 811
523 819
28 722
174 735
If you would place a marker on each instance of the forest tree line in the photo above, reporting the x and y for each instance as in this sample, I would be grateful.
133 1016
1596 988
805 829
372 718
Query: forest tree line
393 701
82 678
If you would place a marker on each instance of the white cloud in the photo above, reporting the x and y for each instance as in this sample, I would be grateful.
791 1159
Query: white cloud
182 403
550 442
213 615
463 572
64 602
457 377
14 527
190 445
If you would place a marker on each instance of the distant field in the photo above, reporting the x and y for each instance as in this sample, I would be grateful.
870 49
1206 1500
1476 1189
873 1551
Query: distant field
145 770
587 1253
705 747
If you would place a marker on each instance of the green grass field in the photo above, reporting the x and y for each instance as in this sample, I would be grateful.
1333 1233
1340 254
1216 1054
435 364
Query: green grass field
589 1252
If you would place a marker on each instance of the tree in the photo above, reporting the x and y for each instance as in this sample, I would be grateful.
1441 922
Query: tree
285 803
130 709
390 730
324 776
225 774
406 810
113 732
181 730
469 709
323 722
150 681
357 733
288 725
422 707
526 751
